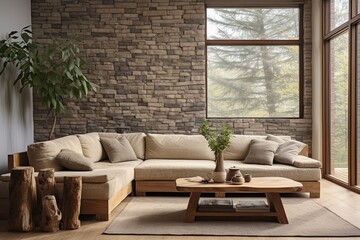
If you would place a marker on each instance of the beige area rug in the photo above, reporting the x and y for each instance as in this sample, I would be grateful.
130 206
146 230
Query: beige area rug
164 216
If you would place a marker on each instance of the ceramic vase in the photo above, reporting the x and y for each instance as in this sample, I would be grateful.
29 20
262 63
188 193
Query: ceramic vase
219 174
233 171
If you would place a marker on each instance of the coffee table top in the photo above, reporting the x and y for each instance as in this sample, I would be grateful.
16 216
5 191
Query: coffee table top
257 184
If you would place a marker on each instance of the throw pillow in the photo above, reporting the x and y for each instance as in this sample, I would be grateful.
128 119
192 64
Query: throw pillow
288 152
73 161
261 152
274 138
118 149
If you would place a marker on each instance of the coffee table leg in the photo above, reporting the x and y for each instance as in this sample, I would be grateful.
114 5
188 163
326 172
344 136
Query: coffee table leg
192 206
275 203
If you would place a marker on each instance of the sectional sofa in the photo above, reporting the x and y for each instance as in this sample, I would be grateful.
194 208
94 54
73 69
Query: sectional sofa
156 161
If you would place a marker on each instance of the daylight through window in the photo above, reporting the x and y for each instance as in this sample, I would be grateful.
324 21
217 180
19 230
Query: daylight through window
253 62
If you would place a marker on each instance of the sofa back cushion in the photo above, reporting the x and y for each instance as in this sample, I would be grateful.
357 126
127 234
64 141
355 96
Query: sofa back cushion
177 146
91 146
136 140
239 146
42 154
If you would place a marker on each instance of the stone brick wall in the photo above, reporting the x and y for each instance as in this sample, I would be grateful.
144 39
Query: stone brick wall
148 57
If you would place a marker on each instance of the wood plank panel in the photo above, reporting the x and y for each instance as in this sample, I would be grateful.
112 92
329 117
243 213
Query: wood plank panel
17 160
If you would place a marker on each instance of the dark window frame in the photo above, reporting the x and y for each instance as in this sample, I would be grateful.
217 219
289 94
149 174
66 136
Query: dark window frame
299 43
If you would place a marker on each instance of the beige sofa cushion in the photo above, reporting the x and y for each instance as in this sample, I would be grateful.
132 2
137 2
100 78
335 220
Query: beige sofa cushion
161 170
171 169
274 138
277 170
118 149
281 139
91 191
305 162
261 152
239 146
136 140
42 154
99 191
288 151
118 175
102 183
103 171
177 146
74 161
91 146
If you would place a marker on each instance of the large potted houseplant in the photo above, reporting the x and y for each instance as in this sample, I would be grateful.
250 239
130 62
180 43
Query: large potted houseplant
52 70
218 141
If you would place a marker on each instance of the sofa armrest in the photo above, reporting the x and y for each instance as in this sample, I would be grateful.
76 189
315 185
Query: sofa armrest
306 162
305 151
17 159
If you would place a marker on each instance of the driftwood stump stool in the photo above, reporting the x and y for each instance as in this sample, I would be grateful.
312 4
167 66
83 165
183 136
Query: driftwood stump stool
45 185
46 182
71 203
22 196
50 214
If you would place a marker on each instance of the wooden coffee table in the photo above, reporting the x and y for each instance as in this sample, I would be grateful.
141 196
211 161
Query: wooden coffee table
271 186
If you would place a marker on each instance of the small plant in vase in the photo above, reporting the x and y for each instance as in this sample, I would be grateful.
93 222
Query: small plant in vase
218 141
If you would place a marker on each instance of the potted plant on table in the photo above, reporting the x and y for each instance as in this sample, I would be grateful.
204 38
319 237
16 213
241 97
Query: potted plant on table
53 71
218 142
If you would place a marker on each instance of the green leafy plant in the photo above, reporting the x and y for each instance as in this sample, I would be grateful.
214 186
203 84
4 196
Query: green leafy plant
52 70
218 141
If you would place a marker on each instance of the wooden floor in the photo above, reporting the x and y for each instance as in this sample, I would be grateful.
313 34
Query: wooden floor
339 200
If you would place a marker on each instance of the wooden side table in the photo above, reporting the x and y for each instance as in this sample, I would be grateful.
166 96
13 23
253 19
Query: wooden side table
71 202
23 199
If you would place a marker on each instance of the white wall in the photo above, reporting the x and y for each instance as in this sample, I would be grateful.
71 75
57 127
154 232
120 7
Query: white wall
16 122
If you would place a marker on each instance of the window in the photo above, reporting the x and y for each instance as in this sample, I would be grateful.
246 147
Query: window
339 12
342 92
254 61
339 106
